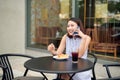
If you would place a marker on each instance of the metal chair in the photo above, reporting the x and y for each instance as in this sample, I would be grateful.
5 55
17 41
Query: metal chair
94 60
8 71
107 67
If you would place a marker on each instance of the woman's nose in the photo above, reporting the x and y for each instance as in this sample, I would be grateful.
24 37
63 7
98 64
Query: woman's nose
70 27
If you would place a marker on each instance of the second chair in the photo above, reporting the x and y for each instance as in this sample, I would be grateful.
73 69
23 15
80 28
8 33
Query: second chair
8 71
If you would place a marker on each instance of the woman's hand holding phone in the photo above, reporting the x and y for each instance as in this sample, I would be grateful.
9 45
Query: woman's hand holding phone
76 31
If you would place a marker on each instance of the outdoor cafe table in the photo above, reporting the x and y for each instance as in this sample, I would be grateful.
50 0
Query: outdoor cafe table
49 65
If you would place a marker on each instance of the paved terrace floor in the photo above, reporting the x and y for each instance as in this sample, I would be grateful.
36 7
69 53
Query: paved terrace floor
99 69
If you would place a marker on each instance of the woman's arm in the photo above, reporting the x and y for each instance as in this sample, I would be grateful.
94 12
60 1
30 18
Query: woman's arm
84 45
61 47
85 40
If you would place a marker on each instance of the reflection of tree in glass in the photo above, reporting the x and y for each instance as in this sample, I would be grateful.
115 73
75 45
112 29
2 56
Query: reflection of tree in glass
118 6
111 7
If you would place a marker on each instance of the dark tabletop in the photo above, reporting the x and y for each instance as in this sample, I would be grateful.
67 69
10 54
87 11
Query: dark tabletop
49 65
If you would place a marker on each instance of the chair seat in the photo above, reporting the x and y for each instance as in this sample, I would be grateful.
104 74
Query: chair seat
28 78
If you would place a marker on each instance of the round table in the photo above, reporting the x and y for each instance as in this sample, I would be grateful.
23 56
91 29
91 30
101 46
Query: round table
49 65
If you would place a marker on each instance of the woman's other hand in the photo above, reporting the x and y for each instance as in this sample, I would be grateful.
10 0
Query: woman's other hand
81 34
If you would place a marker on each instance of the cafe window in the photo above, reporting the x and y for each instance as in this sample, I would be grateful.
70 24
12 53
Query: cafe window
46 22
105 27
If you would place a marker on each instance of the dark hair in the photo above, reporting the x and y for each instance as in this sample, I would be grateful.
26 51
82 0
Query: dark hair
78 22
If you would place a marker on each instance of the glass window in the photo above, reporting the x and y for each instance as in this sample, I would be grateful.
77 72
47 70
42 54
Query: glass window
105 30
46 22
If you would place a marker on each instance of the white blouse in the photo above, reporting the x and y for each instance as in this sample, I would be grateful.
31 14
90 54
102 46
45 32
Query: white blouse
72 44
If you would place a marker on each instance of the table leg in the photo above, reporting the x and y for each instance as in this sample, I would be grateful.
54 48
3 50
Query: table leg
58 77
72 76
45 78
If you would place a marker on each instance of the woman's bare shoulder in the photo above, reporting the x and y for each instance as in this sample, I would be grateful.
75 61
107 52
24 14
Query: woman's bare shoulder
64 36
87 37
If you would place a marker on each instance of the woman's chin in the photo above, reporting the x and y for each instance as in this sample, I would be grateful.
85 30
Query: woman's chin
70 34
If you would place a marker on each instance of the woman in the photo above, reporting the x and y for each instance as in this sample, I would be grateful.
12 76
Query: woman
79 43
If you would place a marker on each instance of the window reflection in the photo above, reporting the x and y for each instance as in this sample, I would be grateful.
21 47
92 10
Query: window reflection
45 21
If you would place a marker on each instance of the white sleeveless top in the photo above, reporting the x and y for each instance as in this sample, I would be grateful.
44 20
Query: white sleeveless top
71 44
74 44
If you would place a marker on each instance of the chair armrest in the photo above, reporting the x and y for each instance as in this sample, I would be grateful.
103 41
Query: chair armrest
104 65
94 62
95 58
108 70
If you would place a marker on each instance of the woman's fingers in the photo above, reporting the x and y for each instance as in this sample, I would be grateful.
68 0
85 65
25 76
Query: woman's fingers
51 47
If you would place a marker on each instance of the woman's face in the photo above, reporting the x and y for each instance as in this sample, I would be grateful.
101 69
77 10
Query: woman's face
71 27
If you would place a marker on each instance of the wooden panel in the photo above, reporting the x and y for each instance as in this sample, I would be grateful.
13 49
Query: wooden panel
44 35
98 42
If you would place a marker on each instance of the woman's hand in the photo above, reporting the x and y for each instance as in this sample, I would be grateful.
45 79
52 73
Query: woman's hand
80 33
51 48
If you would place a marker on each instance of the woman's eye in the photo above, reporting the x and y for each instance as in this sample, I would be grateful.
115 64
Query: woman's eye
72 25
67 26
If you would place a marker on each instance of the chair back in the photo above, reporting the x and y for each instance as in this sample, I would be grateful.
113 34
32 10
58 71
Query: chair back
4 61
8 73
109 71
94 63
3 69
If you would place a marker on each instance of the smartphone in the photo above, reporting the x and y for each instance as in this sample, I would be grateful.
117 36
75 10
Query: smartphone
76 33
